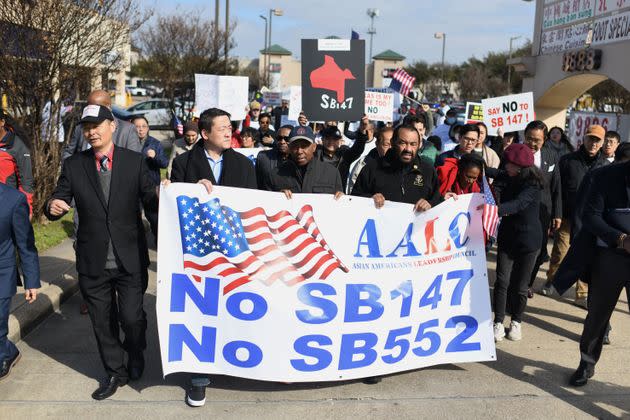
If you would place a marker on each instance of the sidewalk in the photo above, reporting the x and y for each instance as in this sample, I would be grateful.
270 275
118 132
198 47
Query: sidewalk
61 367
59 282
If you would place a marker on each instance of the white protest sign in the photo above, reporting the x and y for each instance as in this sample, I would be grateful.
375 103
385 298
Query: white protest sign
251 153
228 93
253 285
510 113
379 106
295 102
272 98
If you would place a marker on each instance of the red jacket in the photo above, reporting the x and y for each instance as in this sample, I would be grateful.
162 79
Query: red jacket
447 175
15 166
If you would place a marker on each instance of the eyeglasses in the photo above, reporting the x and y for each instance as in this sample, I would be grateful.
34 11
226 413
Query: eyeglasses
285 138
469 139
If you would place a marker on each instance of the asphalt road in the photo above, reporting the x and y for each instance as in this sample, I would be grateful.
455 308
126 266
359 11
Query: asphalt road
60 368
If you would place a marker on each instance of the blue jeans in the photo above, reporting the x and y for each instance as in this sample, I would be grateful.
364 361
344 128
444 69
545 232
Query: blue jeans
7 348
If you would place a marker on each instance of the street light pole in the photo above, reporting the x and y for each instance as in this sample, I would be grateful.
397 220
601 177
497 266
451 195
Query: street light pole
264 75
272 12
442 35
509 78
372 13
227 33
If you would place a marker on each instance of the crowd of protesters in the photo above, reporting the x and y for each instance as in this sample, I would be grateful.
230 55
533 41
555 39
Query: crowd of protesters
542 186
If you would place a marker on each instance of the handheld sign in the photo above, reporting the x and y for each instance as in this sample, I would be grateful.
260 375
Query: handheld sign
474 112
379 106
510 113
295 102
333 79
228 93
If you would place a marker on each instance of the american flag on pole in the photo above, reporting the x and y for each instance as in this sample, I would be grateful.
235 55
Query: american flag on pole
402 82
490 214
251 245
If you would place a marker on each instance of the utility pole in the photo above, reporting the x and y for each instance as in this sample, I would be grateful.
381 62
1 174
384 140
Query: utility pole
509 84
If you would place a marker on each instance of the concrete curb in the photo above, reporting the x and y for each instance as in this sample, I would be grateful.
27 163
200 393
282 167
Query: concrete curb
59 282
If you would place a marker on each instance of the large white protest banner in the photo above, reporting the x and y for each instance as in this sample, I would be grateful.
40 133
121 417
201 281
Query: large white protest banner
253 285
510 113
379 106
226 92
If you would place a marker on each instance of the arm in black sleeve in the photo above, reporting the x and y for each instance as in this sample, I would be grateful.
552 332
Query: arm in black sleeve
363 186
555 188
352 135
357 148
527 195
593 217
435 197
148 190
63 191
261 163
251 176
177 171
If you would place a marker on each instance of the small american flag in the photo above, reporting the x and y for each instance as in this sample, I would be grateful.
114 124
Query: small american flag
402 82
179 127
490 211
250 245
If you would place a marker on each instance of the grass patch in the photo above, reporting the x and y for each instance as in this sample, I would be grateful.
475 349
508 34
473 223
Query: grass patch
48 235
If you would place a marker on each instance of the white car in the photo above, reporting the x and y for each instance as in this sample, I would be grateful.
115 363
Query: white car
136 91
157 112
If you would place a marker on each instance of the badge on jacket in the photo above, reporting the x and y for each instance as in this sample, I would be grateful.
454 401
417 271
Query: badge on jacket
419 182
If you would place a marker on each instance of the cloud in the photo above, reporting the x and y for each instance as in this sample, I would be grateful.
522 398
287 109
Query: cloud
407 27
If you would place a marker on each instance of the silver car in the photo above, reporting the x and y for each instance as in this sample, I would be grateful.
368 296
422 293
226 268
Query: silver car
158 112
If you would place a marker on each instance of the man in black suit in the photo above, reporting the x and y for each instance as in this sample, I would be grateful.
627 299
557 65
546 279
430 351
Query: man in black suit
606 215
108 184
212 162
546 160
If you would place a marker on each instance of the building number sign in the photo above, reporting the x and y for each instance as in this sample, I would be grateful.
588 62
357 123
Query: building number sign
582 60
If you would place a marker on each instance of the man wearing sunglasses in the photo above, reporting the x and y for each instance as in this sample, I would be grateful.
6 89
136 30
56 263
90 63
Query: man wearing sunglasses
268 160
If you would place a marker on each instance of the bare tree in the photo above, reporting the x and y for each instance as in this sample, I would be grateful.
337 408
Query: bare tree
176 47
50 50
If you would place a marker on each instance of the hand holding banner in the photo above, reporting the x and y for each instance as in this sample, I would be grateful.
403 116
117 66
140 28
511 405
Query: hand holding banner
317 289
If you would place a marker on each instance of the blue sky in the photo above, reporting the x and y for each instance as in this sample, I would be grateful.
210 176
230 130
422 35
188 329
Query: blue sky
407 27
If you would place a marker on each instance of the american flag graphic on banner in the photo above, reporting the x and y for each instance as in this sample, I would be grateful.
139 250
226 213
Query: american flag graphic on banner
251 245
490 211
402 82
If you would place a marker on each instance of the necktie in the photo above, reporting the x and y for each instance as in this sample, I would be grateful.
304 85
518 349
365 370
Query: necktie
104 164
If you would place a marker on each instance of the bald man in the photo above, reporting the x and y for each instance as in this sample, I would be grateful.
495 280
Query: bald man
125 135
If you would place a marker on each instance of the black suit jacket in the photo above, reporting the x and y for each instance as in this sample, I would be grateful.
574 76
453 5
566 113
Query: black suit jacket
610 190
519 206
551 200
192 166
99 220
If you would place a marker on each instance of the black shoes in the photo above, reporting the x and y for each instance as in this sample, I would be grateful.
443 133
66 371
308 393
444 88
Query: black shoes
7 365
109 388
373 380
135 366
583 373
196 396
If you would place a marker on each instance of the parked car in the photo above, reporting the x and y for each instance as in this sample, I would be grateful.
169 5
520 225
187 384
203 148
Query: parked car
158 112
136 91
121 113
